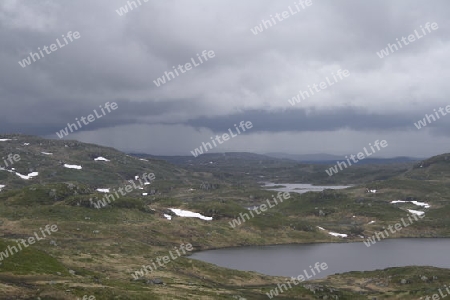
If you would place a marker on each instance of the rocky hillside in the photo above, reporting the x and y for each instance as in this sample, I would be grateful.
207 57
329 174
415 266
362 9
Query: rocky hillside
43 161
96 251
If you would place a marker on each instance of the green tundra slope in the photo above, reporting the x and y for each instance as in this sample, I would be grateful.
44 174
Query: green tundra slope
97 251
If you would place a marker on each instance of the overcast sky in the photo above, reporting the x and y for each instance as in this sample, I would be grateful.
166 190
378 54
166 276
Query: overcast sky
251 77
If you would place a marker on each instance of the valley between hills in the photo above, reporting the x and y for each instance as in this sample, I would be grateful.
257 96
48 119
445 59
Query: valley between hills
95 251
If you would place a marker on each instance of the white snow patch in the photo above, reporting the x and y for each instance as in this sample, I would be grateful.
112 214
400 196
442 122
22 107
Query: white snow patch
343 235
372 191
425 205
103 190
371 222
143 159
4 140
29 176
189 214
398 201
1 186
26 144
416 212
72 167
47 153
101 159
334 233
146 183
144 194
136 177
168 217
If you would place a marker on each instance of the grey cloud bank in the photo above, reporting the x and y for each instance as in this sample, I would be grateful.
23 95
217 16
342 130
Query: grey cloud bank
71 36
250 78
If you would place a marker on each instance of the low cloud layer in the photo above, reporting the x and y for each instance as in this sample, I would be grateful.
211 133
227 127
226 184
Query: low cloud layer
251 77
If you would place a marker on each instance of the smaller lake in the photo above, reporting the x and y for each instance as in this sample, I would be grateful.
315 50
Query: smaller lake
301 188
291 260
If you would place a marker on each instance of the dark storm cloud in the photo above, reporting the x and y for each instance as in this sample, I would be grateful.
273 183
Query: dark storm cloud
128 113
316 120
117 59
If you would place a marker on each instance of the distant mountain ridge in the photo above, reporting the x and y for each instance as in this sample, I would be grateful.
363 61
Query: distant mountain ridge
211 157
433 168
322 158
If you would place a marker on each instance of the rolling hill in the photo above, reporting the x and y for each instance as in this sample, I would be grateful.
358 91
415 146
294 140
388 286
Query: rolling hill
96 251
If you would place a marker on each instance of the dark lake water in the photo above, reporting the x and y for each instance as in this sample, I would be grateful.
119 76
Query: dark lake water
300 188
291 260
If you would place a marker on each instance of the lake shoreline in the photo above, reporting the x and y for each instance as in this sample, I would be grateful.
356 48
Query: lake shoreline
283 259
310 243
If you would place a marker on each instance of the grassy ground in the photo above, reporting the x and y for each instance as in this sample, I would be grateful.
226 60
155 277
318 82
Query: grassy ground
104 246
95 251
